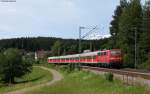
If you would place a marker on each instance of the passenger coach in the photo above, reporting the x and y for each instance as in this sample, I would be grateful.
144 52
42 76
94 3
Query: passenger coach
104 57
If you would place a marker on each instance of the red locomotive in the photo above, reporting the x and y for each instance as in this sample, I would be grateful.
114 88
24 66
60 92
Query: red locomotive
103 58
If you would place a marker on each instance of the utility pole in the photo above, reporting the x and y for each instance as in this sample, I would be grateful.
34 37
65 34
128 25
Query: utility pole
135 65
85 35
22 43
80 39
80 47
91 45
59 51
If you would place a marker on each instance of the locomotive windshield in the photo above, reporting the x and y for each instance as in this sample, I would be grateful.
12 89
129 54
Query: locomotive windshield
116 52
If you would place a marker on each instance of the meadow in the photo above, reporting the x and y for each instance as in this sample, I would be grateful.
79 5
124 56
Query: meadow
80 82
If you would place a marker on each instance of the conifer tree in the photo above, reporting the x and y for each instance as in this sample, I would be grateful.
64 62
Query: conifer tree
114 29
130 22
145 36
56 48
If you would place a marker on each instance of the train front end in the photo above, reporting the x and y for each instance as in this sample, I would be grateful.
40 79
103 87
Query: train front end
115 57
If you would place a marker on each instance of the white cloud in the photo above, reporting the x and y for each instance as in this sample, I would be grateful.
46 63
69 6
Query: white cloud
44 17
33 14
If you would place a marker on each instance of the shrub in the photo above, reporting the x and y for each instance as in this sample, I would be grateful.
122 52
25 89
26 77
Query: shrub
109 76
145 66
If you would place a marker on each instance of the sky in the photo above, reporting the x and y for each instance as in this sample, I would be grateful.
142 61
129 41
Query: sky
54 18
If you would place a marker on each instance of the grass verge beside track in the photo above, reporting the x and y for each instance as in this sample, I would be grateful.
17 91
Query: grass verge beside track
37 76
80 82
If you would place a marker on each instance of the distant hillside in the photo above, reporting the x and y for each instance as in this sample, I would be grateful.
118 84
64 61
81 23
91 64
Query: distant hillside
45 43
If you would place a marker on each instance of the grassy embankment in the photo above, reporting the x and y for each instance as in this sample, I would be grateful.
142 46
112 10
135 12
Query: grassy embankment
37 76
80 82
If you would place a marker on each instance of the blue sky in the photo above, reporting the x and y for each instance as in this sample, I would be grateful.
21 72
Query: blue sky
54 18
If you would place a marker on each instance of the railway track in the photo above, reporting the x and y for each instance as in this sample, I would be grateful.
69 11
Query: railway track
121 72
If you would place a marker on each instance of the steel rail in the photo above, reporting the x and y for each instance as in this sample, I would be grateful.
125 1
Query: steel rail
121 72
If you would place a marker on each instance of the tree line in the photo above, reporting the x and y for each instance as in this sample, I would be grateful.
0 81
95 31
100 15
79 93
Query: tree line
66 46
130 25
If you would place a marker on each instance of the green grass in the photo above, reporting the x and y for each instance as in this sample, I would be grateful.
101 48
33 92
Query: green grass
145 66
37 76
80 82
45 65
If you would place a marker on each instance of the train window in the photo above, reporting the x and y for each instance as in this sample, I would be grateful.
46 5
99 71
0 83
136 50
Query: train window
105 53
94 57
76 58
88 57
99 54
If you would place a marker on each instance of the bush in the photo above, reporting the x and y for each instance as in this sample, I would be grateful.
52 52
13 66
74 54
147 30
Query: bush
70 67
109 76
127 61
145 63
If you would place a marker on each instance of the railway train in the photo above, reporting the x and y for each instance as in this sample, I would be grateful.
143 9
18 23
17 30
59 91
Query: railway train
105 58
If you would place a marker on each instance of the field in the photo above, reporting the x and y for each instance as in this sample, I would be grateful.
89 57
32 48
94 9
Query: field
80 82
37 76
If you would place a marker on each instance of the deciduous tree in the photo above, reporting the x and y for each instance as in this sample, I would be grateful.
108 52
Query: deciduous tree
12 65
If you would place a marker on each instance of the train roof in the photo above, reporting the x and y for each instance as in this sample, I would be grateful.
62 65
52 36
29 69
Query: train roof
77 55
